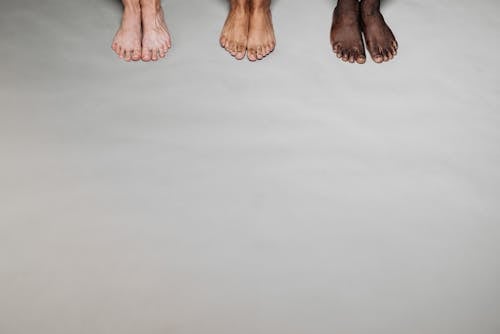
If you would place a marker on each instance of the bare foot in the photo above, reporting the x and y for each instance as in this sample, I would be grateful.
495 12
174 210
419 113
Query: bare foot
155 38
234 34
127 41
380 40
261 40
345 35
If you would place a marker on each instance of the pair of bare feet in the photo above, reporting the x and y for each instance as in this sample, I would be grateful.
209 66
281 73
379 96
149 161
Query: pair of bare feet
143 33
248 30
351 20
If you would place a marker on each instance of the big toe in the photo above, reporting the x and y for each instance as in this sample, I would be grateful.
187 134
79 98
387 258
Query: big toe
252 54
136 55
377 55
361 58
146 54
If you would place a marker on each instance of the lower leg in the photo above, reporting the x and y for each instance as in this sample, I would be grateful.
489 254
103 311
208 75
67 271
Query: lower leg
380 40
127 41
261 39
156 38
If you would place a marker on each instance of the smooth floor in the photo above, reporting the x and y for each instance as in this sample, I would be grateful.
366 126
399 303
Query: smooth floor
202 195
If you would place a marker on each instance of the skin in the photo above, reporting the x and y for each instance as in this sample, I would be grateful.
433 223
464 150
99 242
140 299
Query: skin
248 29
351 19
143 33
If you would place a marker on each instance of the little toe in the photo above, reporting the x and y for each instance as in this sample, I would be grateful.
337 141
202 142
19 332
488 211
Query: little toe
269 48
336 48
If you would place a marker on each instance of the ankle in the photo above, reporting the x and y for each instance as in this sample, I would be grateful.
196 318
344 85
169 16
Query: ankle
348 5
260 10
260 6
132 8
151 9
370 7
240 8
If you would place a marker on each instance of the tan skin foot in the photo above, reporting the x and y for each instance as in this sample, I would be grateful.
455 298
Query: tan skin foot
127 41
345 35
380 40
156 38
261 39
234 35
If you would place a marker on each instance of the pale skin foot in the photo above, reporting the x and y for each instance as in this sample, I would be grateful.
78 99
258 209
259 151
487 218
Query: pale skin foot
380 40
234 35
345 35
261 39
127 41
155 36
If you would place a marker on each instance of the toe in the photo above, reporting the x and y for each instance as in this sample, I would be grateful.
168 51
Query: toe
269 48
389 53
385 54
352 56
161 53
240 52
232 48
251 55
146 54
336 48
154 56
345 55
240 55
361 58
377 56
128 55
240 48
260 53
136 55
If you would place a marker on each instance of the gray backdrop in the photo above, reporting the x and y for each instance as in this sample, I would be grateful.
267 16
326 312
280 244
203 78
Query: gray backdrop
205 195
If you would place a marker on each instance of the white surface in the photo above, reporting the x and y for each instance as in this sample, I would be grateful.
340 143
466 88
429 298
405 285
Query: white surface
205 195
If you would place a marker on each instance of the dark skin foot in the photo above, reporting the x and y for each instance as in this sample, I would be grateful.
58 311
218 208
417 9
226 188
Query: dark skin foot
345 34
380 40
